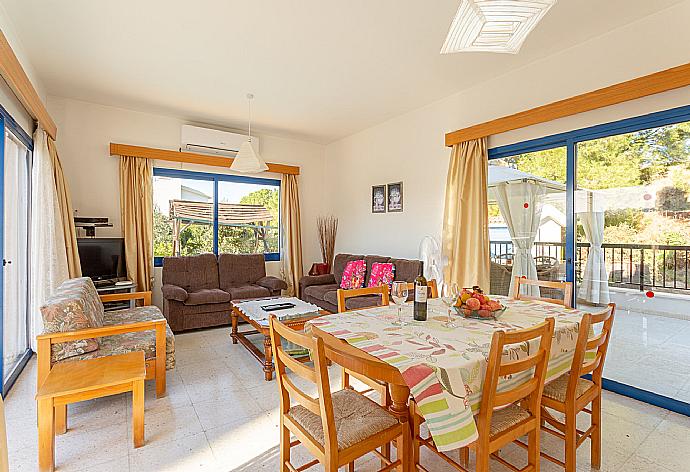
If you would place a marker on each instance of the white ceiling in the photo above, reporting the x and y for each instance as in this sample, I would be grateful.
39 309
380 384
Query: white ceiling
320 69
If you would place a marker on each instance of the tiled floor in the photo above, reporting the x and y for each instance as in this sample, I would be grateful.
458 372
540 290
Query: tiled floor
220 415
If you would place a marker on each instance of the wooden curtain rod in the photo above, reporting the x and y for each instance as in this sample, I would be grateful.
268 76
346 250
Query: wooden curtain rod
13 73
189 157
663 81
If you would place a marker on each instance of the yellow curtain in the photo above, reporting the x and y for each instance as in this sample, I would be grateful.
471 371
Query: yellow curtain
292 233
136 210
466 217
66 212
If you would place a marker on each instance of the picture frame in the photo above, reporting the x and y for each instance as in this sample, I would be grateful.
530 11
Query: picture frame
394 200
378 199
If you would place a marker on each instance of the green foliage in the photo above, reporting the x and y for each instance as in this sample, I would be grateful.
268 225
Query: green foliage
162 234
672 199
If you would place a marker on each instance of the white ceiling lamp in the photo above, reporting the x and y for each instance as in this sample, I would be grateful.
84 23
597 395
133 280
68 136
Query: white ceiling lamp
494 25
248 160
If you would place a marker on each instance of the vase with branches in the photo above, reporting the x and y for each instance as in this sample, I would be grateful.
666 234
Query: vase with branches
327 228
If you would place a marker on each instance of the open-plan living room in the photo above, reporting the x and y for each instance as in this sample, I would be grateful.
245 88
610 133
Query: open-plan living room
448 235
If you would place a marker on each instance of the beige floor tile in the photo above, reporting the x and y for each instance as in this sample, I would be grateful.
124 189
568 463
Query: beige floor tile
235 407
187 454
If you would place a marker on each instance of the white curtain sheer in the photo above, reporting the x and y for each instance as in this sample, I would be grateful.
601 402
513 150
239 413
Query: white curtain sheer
594 287
520 204
15 250
48 257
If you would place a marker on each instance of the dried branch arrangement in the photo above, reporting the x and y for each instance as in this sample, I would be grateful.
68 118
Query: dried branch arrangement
327 228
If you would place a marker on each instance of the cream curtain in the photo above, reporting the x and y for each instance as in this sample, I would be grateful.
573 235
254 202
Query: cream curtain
291 256
4 461
48 254
595 280
66 212
465 216
136 211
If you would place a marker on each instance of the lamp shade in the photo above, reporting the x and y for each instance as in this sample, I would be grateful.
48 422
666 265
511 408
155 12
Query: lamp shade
247 160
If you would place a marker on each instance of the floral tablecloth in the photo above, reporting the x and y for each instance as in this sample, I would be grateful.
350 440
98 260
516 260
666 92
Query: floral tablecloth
445 367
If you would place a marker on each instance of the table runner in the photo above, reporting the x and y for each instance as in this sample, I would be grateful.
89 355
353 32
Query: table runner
445 367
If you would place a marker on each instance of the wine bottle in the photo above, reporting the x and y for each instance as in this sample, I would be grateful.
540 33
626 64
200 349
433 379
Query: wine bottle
420 295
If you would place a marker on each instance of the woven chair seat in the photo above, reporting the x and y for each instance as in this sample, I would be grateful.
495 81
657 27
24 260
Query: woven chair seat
556 390
356 418
507 417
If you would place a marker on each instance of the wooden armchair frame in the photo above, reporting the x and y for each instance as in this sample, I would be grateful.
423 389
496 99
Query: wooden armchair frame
566 287
155 368
358 292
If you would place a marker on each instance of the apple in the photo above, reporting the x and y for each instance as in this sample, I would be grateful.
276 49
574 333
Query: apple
473 304
485 313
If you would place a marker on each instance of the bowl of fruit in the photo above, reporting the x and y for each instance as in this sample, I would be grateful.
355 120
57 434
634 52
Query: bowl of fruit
473 303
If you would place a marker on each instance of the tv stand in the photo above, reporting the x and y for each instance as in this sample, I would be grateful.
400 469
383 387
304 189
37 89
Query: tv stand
110 287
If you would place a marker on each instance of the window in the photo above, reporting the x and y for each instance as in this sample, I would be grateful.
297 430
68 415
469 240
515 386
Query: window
196 212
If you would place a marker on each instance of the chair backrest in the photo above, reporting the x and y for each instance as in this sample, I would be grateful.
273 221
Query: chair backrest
590 352
536 342
566 288
432 290
318 374
358 292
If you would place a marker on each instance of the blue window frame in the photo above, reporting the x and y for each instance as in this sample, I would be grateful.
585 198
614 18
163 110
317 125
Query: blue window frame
216 180
570 140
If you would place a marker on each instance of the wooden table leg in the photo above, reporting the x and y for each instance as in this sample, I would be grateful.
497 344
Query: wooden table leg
138 412
268 358
400 395
233 321
46 435
61 419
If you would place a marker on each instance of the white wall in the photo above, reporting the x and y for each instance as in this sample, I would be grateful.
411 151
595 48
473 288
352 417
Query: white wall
86 129
411 147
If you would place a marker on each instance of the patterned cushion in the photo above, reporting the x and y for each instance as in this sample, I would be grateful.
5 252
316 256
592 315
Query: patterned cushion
139 341
381 273
357 418
556 389
74 305
353 275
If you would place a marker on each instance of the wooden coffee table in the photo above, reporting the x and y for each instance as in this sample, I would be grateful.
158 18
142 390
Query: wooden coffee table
265 358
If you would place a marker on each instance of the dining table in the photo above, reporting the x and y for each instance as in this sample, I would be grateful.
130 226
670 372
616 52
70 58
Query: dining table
442 367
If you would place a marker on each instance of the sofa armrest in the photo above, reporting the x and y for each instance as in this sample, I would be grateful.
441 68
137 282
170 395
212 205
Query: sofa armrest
174 292
272 283
118 297
309 280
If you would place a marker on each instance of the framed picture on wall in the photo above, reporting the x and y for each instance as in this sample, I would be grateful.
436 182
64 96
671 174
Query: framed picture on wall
378 199
395 197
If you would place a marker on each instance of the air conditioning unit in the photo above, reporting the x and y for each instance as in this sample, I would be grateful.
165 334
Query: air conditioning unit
212 141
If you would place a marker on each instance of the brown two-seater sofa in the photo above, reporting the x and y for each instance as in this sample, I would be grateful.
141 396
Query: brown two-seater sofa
197 290
322 290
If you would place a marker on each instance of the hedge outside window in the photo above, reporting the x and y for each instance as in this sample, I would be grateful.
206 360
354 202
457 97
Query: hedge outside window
197 212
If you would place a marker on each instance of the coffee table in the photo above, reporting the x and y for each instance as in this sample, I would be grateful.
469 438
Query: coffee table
295 320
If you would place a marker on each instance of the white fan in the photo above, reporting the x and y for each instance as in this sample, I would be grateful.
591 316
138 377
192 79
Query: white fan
430 255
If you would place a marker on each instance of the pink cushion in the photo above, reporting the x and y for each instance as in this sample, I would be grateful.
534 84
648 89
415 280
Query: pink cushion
382 273
353 275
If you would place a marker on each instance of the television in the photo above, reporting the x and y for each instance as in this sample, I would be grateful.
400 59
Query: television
102 258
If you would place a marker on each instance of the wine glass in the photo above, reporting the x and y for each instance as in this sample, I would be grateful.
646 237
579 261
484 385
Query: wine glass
449 295
399 294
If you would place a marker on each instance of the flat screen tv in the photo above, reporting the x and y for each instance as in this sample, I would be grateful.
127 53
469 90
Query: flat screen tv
102 258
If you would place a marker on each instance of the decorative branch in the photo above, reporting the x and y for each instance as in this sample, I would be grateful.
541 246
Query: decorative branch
327 228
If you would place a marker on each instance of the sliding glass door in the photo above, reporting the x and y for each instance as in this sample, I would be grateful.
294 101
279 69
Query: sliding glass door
16 167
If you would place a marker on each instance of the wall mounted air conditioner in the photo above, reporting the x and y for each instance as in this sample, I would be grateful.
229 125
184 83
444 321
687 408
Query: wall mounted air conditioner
211 141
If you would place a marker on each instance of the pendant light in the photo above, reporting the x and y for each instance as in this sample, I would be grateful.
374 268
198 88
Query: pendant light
248 160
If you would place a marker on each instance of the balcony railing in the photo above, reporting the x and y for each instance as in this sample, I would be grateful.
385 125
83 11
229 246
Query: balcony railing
642 266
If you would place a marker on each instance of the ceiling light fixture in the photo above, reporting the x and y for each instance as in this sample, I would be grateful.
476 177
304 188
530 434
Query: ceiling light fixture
494 25
248 160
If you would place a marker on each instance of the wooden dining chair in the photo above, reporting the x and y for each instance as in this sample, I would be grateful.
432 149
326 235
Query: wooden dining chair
432 290
552 287
337 427
570 394
504 414
381 290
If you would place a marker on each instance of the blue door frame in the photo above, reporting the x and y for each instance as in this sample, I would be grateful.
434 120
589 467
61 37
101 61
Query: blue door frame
569 140
8 123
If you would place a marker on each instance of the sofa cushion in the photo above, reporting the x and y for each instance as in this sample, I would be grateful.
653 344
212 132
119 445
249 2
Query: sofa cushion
319 291
365 301
354 275
371 260
331 297
138 341
249 291
209 295
75 305
236 270
339 264
381 273
407 269
192 273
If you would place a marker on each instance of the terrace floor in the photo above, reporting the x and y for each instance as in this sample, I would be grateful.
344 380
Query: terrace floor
220 415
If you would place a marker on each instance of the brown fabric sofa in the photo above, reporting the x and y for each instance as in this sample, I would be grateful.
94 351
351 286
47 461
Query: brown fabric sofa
322 290
197 290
